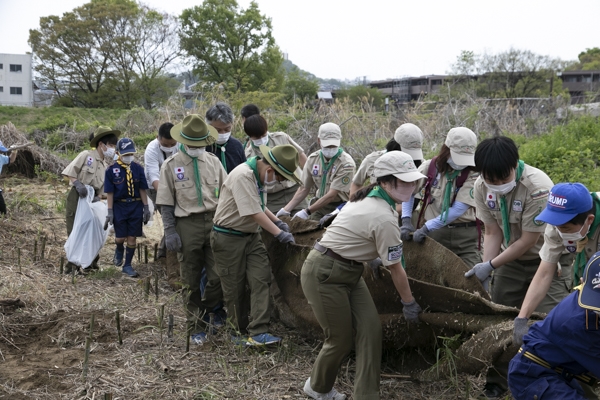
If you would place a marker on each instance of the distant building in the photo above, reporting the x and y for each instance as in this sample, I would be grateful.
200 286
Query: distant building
404 90
580 84
15 80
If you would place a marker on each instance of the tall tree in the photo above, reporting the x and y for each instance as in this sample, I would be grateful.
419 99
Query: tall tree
588 60
232 46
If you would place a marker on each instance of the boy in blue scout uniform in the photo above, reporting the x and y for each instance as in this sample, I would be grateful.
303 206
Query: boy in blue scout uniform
125 186
5 160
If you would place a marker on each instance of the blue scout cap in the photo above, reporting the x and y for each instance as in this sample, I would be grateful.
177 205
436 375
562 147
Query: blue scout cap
125 146
2 148
565 201
589 295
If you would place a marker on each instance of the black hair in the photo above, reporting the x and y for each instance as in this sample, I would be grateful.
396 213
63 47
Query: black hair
165 131
249 110
362 193
269 165
392 145
255 126
111 138
496 157
580 218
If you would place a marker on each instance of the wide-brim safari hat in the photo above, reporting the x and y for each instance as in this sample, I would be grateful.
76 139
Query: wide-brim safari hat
284 159
194 132
101 132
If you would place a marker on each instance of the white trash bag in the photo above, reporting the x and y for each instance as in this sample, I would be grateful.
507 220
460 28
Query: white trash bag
88 234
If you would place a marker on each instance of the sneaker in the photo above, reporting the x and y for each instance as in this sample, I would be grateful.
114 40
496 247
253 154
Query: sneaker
128 269
199 338
493 391
118 258
238 340
262 339
332 395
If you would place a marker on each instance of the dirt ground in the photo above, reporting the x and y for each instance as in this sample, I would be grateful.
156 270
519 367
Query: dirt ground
42 345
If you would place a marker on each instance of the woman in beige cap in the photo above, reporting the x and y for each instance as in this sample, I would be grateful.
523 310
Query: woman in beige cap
331 277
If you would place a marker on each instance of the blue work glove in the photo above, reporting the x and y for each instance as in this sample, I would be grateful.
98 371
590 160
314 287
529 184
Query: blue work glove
301 214
147 214
521 328
81 189
419 235
172 240
285 237
406 229
374 265
482 271
110 219
282 225
411 311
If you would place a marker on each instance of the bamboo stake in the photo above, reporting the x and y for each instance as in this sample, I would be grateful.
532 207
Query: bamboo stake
161 317
92 326
118 319
62 264
19 258
43 249
188 332
146 288
155 251
139 252
170 327
145 254
108 396
156 286
35 250
88 342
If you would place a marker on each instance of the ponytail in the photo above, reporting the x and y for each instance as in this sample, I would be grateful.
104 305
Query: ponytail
362 193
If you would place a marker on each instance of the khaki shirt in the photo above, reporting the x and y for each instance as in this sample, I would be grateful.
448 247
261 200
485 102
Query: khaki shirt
89 168
338 177
275 139
239 200
525 202
438 188
366 168
177 183
365 230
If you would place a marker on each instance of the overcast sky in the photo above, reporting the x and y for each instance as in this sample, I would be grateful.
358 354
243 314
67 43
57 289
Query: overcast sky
379 39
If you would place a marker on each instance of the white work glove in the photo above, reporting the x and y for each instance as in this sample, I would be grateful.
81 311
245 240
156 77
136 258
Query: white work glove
301 214
482 271
283 212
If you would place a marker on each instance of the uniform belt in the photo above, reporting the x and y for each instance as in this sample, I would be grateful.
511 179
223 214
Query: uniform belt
463 225
228 231
330 253
585 378
130 199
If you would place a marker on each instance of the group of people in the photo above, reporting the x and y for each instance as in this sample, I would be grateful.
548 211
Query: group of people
215 195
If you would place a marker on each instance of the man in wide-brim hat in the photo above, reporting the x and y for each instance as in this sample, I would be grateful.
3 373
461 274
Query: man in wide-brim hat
240 254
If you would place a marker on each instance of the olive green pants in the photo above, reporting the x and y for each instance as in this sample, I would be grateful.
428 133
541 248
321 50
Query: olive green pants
240 259
71 208
345 310
196 254
462 241
276 201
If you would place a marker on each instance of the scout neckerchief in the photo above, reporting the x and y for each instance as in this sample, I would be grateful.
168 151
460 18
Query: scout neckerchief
581 259
252 163
450 177
222 148
326 167
377 191
129 177
196 174
504 208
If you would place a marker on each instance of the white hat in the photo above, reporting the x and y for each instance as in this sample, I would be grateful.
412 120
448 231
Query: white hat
330 134
462 143
410 139
399 164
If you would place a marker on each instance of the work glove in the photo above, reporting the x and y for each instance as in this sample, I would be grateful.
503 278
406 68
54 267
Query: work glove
283 213
96 199
110 219
419 235
411 311
374 265
520 330
482 271
81 189
327 219
406 229
285 237
172 240
282 225
302 214
147 214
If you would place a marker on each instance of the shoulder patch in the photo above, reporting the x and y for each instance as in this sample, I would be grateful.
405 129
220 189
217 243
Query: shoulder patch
538 194
395 252
346 180
538 223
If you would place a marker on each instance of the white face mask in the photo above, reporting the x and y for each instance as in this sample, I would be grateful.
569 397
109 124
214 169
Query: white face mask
168 149
329 152
223 137
267 183
501 189
455 166
401 193
127 159
262 141
195 152
109 153
570 238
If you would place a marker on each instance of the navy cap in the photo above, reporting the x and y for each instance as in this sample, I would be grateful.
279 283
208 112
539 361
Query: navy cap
125 146
2 148
565 201
589 295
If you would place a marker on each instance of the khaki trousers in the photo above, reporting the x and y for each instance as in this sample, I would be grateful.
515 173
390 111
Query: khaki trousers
196 254
462 241
345 310
240 259
276 201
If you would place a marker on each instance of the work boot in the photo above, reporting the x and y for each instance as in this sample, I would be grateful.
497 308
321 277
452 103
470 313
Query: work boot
118 258
94 265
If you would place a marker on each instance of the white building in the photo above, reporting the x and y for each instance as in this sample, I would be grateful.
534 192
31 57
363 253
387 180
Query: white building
15 80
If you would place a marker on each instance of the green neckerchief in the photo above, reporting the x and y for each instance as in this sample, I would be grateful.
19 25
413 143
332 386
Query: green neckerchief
252 163
581 259
223 159
256 148
450 177
326 168
196 174
503 206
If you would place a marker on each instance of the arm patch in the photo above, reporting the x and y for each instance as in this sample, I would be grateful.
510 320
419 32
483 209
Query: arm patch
395 252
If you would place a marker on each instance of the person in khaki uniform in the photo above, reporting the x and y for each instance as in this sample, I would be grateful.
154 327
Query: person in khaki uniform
331 278
240 254
88 169
190 182
449 211
330 171
280 193
407 138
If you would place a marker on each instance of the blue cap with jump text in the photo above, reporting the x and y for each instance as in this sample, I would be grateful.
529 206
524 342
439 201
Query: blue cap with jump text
125 146
565 201
589 294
